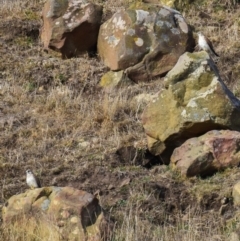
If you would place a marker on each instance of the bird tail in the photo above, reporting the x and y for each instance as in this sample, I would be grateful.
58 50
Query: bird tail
213 52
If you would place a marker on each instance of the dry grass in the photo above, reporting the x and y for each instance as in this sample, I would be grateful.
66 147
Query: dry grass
20 9
187 228
192 226
55 117
30 229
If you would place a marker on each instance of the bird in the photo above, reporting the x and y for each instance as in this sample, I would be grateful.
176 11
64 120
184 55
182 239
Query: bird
205 44
32 180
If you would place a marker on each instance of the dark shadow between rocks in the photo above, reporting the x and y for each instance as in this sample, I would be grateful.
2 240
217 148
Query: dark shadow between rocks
77 44
134 156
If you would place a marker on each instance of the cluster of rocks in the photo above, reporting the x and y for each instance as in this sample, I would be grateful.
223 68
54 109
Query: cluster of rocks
194 123
143 41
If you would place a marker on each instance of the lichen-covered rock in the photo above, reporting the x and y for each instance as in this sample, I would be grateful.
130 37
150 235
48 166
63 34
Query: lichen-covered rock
70 26
213 151
145 42
75 213
195 102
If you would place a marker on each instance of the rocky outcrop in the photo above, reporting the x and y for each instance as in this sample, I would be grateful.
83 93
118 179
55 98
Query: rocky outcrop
76 214
213 151
144 41
194 102
70 26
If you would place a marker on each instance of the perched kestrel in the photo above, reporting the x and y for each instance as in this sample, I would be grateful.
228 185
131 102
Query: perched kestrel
32 180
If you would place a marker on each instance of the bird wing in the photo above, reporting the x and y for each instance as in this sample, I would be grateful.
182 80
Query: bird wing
38 181
211 46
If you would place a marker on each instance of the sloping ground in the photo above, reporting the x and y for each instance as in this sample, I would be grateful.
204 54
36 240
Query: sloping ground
56 120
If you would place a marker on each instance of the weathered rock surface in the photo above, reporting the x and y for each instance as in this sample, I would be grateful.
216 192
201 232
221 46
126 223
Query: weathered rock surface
196 102
70 26
76 214
145 41
213 151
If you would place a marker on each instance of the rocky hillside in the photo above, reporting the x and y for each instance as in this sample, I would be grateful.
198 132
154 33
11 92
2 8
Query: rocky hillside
57 120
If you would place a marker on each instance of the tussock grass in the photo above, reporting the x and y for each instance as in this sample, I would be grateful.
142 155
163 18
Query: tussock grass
192 226
20 9
29 229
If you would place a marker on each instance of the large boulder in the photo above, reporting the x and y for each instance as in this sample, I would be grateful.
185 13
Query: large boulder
75 213
70 26
195 101
145 41
204 155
